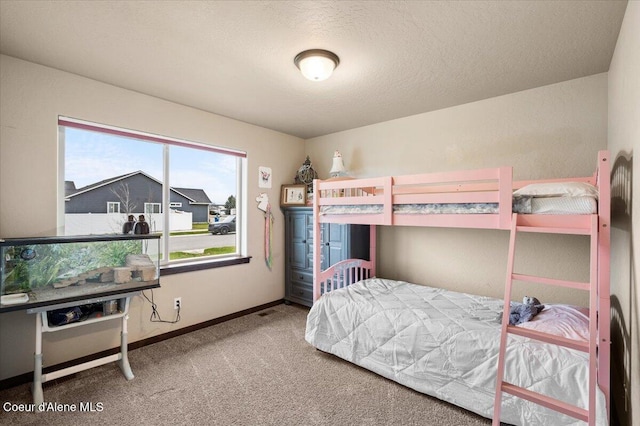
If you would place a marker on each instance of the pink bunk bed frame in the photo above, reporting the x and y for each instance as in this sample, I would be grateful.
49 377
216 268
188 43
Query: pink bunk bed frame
476 186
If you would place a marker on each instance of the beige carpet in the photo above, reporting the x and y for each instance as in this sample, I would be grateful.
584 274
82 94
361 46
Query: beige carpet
253 370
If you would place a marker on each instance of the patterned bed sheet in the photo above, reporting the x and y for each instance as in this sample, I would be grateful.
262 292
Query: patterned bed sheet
521 205
445 344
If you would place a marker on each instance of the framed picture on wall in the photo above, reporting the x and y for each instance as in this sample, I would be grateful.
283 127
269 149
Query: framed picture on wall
264 177
293 195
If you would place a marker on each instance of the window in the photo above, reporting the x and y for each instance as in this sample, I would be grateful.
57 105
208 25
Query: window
152 208
113 207
173 183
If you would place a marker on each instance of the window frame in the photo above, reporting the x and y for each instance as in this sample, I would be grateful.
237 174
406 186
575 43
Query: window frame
167 266
113 203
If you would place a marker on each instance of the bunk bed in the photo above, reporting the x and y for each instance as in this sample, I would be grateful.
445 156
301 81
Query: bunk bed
452 345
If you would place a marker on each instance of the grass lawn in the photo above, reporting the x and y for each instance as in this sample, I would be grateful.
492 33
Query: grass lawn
207 252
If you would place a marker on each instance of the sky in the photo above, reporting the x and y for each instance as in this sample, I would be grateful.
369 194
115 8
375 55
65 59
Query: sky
92 156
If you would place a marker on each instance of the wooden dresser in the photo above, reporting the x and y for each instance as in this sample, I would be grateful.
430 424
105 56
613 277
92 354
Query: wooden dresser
339 242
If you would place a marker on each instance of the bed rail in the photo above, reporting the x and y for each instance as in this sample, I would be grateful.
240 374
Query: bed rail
382 194
341 275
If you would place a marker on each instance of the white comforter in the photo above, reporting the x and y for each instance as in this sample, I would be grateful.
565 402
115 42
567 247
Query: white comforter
445 344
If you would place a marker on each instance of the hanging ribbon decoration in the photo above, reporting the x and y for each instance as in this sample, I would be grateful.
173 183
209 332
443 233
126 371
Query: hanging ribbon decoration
268 236
263 204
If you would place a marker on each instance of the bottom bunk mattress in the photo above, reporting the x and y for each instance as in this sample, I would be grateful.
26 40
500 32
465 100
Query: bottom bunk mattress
445 344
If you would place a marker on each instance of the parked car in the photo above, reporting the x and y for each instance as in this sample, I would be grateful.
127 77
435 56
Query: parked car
223 227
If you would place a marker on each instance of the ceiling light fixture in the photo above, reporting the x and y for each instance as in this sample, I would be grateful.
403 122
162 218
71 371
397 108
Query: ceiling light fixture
316 64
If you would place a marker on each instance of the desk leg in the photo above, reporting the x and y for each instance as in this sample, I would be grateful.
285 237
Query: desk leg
36 386
124 358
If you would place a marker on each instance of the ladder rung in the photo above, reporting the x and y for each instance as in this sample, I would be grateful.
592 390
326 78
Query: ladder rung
551 281
555 404
579 345
554 230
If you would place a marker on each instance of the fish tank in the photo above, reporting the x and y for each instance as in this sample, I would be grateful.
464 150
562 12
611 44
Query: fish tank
37 272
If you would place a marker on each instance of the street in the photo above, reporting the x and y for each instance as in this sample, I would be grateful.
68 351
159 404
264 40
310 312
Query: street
203 241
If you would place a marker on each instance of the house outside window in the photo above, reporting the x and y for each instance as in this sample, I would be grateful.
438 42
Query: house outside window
172 182
113 207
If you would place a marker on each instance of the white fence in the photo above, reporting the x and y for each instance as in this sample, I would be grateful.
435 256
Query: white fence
109 223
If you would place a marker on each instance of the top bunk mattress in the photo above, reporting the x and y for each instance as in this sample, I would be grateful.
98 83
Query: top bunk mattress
521 205
575 198
445 344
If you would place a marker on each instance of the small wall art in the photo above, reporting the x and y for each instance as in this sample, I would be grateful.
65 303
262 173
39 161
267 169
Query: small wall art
264 177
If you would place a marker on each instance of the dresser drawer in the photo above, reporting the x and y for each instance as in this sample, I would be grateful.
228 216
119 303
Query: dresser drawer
302 277
301 291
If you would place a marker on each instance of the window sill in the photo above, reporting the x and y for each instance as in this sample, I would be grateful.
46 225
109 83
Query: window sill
199 266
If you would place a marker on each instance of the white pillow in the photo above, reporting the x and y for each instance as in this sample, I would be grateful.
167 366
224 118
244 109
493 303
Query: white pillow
558 189
567 321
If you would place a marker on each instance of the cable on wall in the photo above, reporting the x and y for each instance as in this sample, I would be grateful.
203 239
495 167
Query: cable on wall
155 315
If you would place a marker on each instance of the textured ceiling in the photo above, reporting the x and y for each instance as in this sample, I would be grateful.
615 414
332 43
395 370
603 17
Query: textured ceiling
235 58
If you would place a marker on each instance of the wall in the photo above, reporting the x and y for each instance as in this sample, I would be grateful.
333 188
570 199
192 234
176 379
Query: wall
547 132
32 98
624 141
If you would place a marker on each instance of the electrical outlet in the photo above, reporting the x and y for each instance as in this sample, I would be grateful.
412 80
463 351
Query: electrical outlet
177 303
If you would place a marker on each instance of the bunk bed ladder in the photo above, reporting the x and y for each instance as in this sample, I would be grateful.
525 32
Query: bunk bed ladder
587 415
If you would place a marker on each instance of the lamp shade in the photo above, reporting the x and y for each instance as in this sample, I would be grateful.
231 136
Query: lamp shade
316 64
337 168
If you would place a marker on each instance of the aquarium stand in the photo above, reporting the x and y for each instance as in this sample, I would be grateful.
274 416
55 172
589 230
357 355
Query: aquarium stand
43 326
